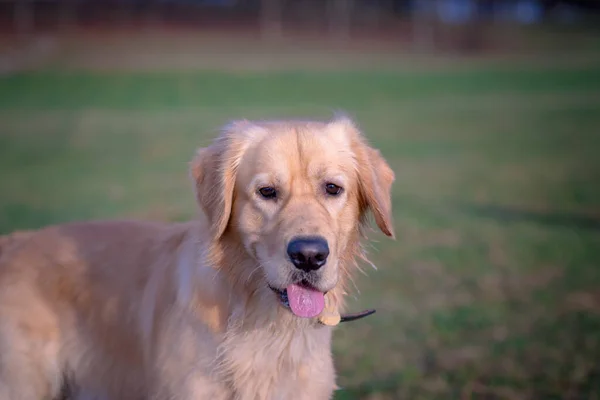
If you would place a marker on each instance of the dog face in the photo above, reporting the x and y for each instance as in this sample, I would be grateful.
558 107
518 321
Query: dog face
294 193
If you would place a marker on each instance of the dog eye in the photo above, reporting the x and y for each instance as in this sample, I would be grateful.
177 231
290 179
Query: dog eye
333 189
268 192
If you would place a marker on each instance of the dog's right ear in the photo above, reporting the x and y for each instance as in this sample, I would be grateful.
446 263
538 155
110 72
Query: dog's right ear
214 170
212 190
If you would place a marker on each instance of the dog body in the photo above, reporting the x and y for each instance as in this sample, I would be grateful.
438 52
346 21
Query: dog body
223 307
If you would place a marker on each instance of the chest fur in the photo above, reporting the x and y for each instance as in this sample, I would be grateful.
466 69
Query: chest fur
271 363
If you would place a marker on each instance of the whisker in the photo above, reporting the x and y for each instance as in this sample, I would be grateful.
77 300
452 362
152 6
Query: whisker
252 273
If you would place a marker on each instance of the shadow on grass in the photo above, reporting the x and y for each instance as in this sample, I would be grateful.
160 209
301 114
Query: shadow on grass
514 214
399 385
386 385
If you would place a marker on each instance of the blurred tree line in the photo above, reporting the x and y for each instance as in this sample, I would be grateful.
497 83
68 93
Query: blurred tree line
336 19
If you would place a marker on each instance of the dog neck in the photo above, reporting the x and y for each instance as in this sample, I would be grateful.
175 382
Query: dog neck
249 326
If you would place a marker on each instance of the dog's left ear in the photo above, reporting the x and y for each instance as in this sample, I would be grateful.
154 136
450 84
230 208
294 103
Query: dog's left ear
374 174
214 170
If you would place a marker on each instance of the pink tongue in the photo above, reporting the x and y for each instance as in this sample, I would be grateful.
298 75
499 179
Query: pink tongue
305 302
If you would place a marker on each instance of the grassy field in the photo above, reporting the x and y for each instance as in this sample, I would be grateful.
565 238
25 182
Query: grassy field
492 289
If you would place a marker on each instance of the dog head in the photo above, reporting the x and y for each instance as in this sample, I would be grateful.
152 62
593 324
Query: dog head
295 194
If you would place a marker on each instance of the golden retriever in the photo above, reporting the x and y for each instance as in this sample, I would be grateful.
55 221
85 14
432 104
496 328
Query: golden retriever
234 305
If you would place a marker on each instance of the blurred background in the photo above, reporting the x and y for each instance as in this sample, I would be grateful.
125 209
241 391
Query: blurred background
488 111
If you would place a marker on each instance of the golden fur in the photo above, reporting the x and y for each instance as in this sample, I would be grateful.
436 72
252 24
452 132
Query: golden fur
129 310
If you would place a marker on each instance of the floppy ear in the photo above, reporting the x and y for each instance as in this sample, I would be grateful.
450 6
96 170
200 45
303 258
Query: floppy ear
376 178
214 171
374 175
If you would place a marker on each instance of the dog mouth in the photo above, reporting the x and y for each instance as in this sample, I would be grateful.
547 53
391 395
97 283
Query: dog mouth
302 299
282 296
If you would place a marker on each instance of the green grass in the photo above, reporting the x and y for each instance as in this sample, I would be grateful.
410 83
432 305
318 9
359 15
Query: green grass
491 289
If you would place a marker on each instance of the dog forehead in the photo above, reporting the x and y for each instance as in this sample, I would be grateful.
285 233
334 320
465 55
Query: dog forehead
304 143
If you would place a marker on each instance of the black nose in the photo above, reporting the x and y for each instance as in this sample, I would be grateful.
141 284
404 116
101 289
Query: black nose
308 253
